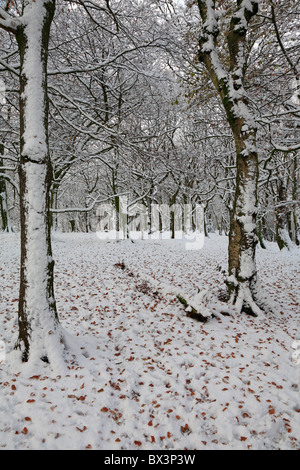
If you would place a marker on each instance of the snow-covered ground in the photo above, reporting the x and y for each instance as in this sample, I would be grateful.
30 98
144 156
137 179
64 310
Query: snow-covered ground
140 373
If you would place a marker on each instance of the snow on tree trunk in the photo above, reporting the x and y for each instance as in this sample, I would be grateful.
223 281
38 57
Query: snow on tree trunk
243 287
282 214
39 330
242 279
5 225
294 218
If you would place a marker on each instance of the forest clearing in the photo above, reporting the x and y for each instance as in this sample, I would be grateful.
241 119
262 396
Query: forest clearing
139 373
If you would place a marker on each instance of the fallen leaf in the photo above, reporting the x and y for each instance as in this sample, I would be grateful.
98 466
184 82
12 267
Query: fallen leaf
81 430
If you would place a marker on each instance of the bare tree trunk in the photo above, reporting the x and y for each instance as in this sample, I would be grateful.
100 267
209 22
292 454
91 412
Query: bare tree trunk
39 336
3 197
281 214
242 272
243 286
294 218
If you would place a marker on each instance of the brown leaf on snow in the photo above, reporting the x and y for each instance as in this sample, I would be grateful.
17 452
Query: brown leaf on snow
81 430
185 429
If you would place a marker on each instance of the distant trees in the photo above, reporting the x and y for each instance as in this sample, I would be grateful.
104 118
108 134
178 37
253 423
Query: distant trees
143 112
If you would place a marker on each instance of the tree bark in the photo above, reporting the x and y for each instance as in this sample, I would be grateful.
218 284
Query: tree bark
3 196
242 282
282 216
242 278
39 336
294 218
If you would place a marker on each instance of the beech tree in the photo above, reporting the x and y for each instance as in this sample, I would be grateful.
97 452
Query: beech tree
243 285
39 335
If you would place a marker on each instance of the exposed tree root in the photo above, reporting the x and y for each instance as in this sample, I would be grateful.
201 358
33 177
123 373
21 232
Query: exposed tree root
207 304
59 352
249 297
191 312
45 346
203 306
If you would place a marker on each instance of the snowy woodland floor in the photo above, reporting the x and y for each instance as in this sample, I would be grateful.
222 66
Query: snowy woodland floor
149 377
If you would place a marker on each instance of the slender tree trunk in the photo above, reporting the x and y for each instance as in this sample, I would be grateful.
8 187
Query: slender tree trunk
39 336
281 214
260 233
294 218
172 202
3 197
53 205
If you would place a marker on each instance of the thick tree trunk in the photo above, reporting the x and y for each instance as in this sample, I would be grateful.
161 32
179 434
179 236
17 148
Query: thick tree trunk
242 278
243 287
39 336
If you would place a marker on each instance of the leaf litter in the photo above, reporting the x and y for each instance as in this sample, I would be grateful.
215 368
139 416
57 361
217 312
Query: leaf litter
139 373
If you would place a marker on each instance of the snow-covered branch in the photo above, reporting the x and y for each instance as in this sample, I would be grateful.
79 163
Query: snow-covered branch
8 23
90 207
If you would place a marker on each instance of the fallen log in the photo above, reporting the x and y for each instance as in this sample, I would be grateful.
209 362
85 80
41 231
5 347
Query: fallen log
191 312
